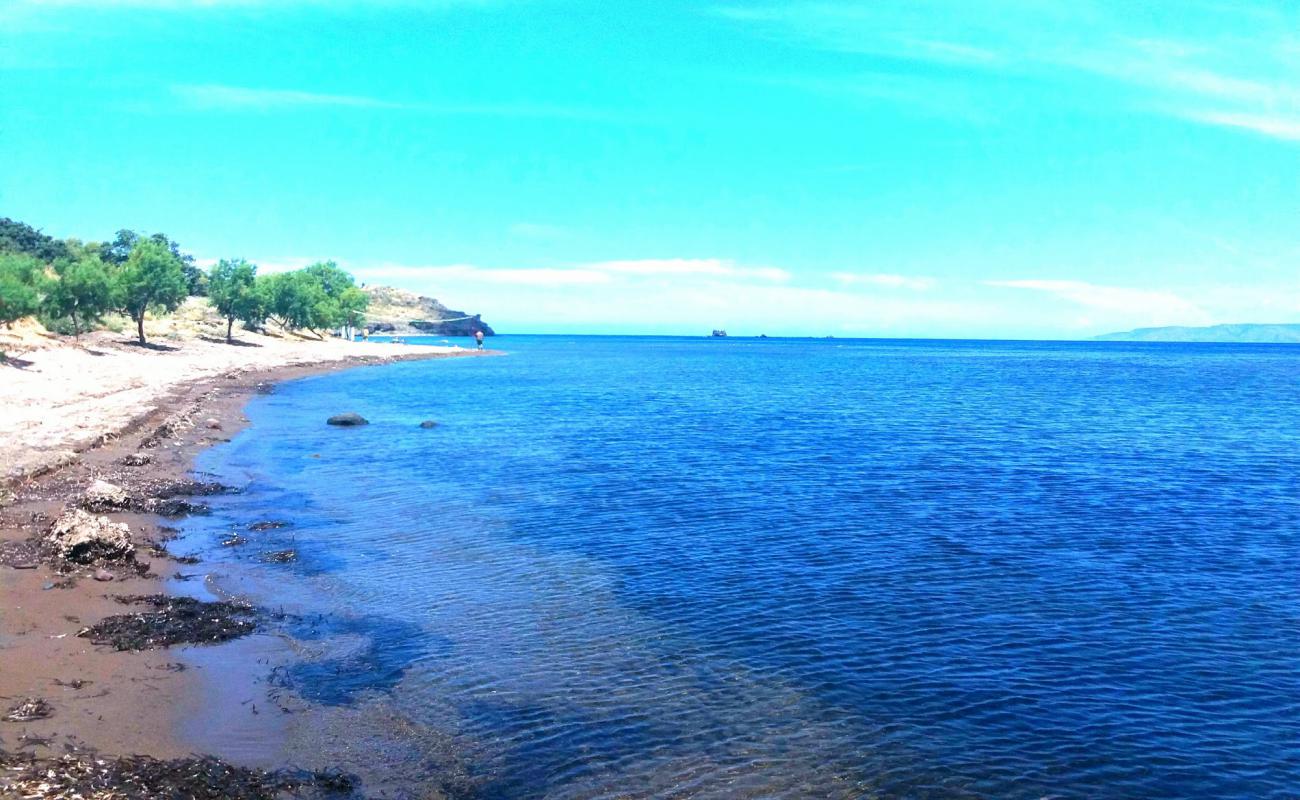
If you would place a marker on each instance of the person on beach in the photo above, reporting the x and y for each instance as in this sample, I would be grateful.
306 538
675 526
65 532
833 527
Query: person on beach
478 339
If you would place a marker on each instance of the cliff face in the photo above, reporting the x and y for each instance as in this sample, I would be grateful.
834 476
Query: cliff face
401 312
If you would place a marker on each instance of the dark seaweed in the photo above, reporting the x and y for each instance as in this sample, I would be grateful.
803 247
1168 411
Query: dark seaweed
174 620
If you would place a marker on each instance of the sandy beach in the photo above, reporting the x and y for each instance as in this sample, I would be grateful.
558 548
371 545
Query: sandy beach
73 413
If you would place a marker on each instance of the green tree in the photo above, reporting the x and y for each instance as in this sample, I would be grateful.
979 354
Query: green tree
151 280
82 292
232 287
21 282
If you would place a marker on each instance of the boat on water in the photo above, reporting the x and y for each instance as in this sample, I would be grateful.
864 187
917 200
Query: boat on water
719 334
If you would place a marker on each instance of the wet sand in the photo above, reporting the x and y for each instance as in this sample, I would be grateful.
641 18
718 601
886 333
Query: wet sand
119 703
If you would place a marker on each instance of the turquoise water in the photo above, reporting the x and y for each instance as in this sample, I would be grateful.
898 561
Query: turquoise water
660 567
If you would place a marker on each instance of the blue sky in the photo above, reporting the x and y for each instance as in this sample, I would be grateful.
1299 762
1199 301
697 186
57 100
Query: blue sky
923 168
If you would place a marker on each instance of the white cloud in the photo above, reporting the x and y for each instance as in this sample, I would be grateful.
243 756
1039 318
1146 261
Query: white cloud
1143 305
915 283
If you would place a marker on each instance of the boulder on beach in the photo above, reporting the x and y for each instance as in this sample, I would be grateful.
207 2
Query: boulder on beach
136 459
85 538
348 420
105 496
428 423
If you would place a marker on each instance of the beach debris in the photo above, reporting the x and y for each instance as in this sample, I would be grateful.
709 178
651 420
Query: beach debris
428 423
29 710
105 496
83 774
76 684
347 420
172 621
268 525
84 538
280 556
164 498
212 423
103 576
136 459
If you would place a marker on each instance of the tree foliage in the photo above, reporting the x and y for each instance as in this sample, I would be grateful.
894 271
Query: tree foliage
82 292
152 279
21 284
233 290
314 298
19 237
120 249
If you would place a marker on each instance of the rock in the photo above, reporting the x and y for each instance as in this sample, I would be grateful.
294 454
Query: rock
105 496
428 423
103 575
212 423
136 459
348 420
84 538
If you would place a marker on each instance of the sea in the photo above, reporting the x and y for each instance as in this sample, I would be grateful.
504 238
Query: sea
678 567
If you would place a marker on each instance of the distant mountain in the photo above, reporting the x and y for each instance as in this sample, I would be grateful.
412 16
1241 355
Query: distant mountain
1244 333
399 311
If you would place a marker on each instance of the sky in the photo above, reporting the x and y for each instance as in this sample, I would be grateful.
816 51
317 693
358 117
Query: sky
931 168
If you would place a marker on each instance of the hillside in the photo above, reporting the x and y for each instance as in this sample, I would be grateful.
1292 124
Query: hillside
402 312
1241 333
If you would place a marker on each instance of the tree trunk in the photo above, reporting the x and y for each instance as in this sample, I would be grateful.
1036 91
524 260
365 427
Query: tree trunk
230 322
76 329
139 326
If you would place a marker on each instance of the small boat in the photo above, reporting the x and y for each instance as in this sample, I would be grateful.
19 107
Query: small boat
719 334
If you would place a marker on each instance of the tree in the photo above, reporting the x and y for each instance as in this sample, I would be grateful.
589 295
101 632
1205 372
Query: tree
232 287
353 304
82 292
119 250
21 281
150 280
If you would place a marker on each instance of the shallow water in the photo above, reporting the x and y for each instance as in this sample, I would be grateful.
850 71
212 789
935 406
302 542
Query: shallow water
790 568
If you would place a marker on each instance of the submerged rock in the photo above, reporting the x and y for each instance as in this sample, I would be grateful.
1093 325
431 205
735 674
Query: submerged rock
84 538
347 420
428 423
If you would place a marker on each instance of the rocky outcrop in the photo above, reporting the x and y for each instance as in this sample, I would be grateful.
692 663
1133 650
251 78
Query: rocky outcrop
84 538
398 311
348 420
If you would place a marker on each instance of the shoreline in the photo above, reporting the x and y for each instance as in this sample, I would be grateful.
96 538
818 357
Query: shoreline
104 701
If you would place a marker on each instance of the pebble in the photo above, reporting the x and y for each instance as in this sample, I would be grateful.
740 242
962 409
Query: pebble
103 575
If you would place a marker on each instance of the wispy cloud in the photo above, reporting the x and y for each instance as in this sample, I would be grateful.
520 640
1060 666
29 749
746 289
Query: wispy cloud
1150 306
691 266
885 280
1210 63
1277 127
465 274
219 97
213 96
583 274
